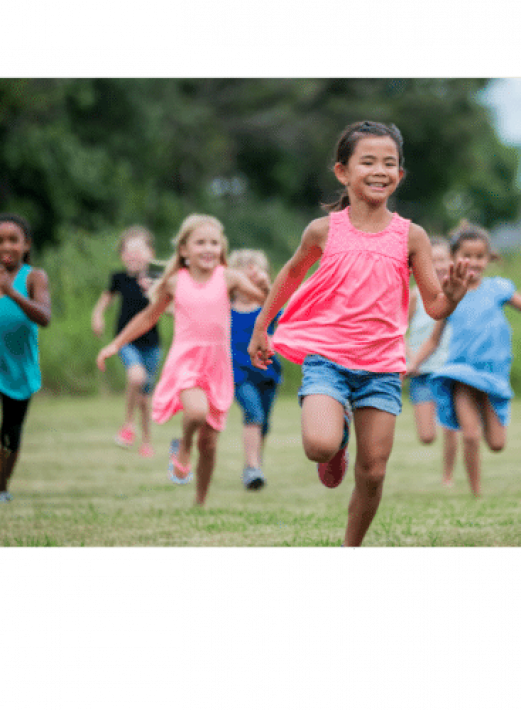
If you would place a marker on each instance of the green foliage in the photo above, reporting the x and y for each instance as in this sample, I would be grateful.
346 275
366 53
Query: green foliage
99 154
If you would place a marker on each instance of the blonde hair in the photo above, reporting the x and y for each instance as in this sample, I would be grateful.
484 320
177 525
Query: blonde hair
135 232
240 258
176 262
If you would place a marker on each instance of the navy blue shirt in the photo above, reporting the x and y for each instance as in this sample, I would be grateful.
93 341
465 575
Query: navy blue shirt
133 300
242 328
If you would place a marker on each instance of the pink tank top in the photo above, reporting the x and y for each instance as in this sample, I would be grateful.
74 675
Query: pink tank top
202 311
353 310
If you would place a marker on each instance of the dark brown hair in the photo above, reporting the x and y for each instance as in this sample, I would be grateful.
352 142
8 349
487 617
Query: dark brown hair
465 231
346 147
24 226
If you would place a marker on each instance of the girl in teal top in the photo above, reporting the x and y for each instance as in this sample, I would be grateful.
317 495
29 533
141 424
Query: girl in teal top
24 305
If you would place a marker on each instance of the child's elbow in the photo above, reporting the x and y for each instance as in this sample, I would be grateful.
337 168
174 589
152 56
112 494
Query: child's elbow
436 310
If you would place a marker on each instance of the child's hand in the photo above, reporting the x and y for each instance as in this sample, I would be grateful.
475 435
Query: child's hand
259 277
262 280
456 283
411 371
6 285
104 354
260 350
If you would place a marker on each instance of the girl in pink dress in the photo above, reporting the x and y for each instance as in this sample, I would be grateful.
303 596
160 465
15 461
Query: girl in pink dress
346 324
197 375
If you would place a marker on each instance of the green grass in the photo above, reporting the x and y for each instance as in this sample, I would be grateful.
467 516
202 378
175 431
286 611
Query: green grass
74 487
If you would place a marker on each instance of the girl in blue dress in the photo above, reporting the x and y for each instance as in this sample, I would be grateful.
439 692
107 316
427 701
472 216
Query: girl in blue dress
473 389
24 305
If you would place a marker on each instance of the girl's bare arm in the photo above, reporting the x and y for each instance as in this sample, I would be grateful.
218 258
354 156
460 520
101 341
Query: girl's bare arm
288 280
427 348
97 321
37 306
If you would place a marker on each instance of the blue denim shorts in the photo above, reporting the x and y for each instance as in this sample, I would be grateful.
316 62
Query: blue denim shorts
421 389
256 402
381 390
147 358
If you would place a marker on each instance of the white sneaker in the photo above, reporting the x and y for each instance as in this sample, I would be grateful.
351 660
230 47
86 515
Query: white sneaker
5 497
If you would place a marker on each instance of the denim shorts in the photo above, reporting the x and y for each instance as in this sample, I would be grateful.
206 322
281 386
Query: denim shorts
421 389
256 402
147 358
380 390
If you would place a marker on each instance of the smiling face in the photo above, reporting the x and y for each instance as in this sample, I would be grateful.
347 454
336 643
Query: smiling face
477 252
372 172
14 245
203 248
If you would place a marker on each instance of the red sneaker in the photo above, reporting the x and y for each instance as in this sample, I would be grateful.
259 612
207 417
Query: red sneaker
125 437
331 473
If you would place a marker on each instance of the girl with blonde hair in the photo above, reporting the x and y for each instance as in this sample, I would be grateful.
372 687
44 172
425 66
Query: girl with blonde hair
197 375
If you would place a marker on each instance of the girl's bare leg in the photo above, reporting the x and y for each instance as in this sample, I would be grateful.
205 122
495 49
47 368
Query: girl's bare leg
374 439
144 406
495 432
136 377
322 426
253 443
450 449
195 411
467 404
425 418
207 444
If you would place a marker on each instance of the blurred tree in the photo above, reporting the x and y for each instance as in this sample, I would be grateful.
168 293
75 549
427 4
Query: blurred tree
96 153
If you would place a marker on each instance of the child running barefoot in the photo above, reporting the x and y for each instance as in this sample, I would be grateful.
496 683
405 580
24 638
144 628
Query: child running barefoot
141 356
346 324
197 375
473 390
255 389
25 304
421 389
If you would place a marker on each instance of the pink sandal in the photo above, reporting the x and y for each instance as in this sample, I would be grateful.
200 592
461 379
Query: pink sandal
174 463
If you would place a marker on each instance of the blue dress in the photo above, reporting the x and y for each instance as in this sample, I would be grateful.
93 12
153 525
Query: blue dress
480 352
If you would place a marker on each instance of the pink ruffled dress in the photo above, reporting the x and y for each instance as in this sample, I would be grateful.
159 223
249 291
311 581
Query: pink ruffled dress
200 355
353 310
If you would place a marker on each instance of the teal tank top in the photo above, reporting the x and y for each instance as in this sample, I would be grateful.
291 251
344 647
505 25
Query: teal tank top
19 361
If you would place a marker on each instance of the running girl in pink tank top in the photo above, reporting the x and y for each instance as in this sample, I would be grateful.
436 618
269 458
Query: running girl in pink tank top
346 323
197 376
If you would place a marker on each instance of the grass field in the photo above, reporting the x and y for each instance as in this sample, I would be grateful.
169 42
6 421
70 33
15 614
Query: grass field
74 487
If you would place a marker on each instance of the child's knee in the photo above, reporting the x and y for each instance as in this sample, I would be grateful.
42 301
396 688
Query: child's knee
429 438
207 443
136 376
471 437
370 474
196 416
320 450
496 444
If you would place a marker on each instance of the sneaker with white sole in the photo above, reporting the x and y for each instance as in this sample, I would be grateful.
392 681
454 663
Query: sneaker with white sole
253 478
